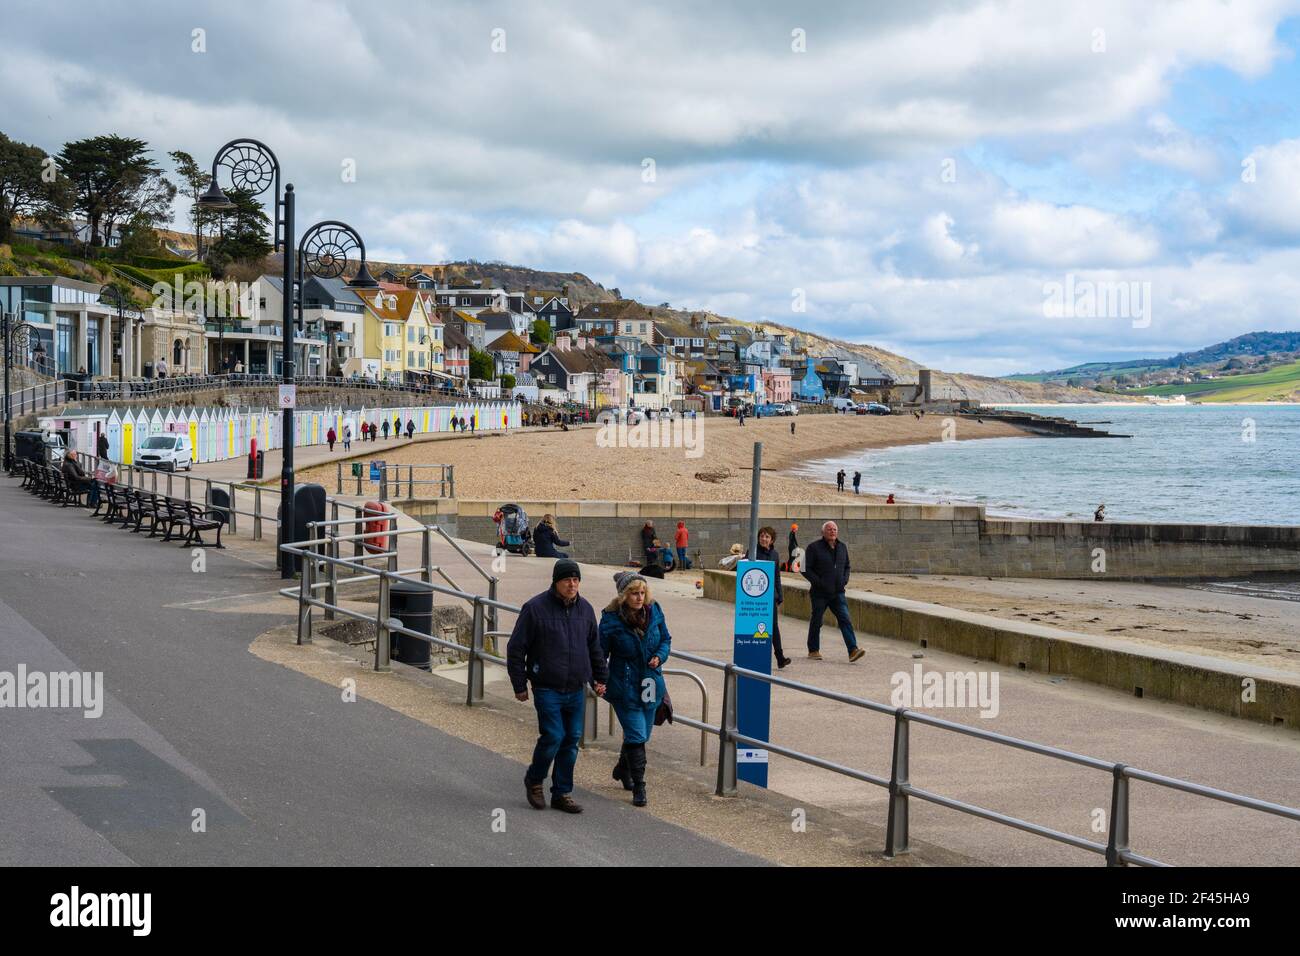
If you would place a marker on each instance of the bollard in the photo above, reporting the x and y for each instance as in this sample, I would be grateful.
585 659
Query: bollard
383 483
474 676
381 626
896 832
1117 840
726 739
257 512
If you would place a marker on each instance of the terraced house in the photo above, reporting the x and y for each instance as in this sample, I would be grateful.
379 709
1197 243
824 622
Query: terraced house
397 322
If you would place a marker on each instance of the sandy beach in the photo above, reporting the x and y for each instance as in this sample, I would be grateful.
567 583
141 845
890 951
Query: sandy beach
551 465
1235 627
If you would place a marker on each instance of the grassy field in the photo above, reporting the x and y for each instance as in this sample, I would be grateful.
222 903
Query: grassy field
1277 384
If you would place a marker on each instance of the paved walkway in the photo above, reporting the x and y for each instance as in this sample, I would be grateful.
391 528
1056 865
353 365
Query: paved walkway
283 770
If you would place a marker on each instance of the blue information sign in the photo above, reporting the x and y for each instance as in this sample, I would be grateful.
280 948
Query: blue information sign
755 607
376 467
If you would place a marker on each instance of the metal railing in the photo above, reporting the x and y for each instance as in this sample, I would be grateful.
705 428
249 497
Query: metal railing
1117 850
390 481
37 397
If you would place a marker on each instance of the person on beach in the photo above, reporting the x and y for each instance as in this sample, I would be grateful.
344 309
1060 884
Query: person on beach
857 481
385 428
556 647
331 438
397 426
682 538
890 499
792 428
635 640
767 552
347 437
547 536
1100 513
826 566
839 480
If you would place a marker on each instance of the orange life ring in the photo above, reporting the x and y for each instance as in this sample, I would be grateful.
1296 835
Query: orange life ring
377 530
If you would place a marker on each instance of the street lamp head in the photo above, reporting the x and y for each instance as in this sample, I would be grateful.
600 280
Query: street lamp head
214 199
363 279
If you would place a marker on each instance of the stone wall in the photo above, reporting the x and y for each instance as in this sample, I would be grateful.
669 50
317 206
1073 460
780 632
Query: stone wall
918 539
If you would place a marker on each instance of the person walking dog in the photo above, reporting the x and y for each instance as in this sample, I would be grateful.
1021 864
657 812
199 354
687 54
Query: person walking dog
634 637
826 566
555 646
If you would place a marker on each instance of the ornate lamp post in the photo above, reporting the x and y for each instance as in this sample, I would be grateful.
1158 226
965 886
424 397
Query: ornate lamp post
324 252
112 295
250 165
17 336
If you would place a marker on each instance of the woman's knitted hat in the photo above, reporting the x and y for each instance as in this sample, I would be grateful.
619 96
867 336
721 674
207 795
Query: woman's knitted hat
625 579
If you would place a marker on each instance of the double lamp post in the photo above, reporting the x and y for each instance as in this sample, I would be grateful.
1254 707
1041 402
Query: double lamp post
323 251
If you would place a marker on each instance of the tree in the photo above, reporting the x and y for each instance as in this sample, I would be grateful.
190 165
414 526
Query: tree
507 382
24 191
481 365
241 231
113 180
194 181
541 332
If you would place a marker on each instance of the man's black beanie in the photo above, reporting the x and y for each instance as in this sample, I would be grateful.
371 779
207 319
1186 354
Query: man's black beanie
564 568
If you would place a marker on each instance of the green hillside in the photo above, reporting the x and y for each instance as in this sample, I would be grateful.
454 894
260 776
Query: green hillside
1277 384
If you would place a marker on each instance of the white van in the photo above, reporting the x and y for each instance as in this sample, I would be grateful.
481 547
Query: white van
167 452
840 404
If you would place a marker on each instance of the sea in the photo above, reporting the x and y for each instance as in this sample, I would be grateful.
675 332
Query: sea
1211 464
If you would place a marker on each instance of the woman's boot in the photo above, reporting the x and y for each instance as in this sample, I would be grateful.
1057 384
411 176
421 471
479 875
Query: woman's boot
621 772
636 764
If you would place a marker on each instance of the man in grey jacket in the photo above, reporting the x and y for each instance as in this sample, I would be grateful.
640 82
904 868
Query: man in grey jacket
826 566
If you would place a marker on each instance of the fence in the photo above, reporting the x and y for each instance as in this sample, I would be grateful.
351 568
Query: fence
390 482
321 555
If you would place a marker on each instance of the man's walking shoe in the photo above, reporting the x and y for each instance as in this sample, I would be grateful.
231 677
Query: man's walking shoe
562 801
856 654
781 664
814 655
536 797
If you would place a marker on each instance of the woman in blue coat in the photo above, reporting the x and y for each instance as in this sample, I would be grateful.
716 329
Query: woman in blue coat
546 537
636 642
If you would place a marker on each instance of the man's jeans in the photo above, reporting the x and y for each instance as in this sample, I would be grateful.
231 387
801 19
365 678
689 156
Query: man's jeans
837 606
682 560
559 720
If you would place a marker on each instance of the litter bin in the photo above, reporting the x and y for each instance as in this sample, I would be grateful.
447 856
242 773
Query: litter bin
308 506
413 606
148 370
256 461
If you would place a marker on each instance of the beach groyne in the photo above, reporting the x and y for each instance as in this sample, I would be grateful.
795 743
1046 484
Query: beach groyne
911 539
1247 691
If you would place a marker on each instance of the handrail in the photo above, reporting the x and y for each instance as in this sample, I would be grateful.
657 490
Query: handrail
1116 850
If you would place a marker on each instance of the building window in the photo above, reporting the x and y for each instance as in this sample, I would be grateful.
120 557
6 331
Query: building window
410 357
550 378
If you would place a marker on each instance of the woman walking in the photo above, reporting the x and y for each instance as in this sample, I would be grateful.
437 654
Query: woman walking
767 552
634 637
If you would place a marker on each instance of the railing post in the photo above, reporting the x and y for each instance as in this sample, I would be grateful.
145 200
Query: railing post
1117 841
452 475
590 717
338 478
233 516
330 550
187 487
381 626
896 833
492 611
426 557
358 528
304 593
383 483
257 512
726 739
169 484
474 676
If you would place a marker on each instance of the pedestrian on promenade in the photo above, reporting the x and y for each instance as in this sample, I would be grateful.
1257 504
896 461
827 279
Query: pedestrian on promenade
826 566
1100 513
331 437
648 542
160 368
397 426
101 445
547 536
792 545
839 480
347 437
682 539
472 424
410 428
767 552
890 499
385 427
857 481
634 638
555 646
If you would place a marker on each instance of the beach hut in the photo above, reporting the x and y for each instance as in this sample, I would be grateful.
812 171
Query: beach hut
156 423
192 428
128 438
114 429
205 428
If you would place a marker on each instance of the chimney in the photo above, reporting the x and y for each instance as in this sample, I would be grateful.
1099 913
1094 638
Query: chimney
562 343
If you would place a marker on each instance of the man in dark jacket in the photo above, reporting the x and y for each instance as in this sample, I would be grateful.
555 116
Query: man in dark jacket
826 566
101 446
555 645
75 477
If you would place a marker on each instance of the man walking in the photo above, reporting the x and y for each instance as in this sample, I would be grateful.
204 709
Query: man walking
556 646
857 481
826 566
839 480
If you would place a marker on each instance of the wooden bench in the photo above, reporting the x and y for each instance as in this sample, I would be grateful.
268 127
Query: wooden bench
198 521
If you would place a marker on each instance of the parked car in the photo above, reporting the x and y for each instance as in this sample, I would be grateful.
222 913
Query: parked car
875 408
840 404
791 408
166 452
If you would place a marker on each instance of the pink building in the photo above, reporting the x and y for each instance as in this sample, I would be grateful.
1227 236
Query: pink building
776 385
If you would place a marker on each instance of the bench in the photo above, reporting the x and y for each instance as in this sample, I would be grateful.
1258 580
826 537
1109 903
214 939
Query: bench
198 521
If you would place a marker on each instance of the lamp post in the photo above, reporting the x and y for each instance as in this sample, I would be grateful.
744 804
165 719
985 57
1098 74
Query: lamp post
323 252
114 296
16 338
250 165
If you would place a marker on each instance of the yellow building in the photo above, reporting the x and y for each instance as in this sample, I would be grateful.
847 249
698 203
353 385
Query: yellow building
397 322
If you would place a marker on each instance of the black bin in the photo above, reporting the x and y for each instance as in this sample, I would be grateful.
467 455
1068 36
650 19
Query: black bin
256 464
148 370
413 606
308 506
219 504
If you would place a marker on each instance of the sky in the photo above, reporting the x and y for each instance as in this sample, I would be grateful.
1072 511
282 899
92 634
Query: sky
982 187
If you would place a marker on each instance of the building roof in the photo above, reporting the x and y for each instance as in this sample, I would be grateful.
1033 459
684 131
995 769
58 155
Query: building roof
400 312
453 338
466 317
577 361
510 342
